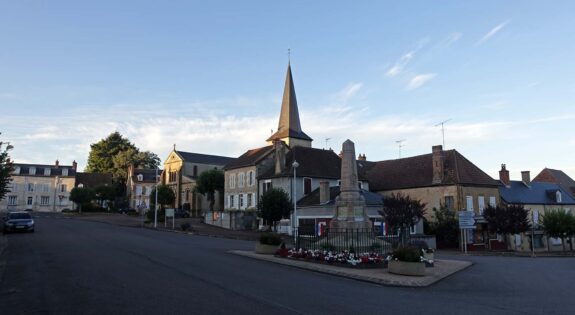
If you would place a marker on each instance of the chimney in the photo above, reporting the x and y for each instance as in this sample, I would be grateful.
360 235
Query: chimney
324 192
74 165
437 160
57 163
340 154
361 157
526 178
130 170
280 156
504 175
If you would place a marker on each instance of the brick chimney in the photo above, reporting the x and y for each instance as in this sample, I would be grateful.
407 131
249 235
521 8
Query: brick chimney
57 163
323 192
280 156
526 178
504 175
437 160
74 165
361 157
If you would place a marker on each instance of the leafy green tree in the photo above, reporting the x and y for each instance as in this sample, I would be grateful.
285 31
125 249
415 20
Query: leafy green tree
166 196
81 196
113 155
400 212
273 206
506 220
445 225
5 168
558 223
105 193
208 183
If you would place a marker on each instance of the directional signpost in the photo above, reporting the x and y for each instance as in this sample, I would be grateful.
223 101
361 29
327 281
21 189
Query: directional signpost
466 222
170 214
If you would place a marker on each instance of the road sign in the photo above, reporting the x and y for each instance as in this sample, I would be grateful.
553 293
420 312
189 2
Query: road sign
169 212
466 220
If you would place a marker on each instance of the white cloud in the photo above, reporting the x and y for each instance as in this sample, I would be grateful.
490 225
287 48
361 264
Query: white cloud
419 80
452 38
492 33
399 65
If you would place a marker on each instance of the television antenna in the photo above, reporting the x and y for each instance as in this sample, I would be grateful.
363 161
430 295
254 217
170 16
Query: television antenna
443 130
400 145
326 141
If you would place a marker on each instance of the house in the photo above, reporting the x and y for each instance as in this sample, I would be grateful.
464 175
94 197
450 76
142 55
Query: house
440 178
537 197
139 184
181 170
40 187
548 175
93 180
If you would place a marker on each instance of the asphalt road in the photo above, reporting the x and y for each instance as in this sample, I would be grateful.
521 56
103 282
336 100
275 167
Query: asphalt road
77 267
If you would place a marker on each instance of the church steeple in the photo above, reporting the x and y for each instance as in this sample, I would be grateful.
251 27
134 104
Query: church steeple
289 127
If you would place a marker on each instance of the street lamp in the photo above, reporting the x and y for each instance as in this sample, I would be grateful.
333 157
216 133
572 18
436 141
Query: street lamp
156 203
295 165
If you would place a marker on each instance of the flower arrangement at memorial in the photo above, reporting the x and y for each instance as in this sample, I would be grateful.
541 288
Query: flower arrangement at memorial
323 256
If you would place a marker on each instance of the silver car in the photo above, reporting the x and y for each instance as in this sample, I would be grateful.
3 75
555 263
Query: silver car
18 221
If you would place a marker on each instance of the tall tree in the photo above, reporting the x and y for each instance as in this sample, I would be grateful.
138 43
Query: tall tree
208 183
401 212
446 226
81 196
5 168
105 193
113 155
506 220
166 196
274 205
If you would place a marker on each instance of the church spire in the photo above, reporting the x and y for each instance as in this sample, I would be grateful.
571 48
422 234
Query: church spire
289 127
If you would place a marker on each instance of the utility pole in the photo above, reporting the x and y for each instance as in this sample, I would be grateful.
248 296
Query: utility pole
443 131
400 145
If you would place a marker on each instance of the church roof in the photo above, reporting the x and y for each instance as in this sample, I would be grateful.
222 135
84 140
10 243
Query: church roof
289 124
204 158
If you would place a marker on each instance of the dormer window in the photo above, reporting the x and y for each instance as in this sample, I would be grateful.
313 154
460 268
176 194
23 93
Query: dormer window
558 196
140 177
32 171
64 172
16 170
47 172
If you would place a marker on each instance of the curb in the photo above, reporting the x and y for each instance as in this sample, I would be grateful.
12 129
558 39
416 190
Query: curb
381 278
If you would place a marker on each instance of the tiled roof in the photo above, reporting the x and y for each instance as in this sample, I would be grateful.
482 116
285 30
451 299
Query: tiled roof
417 171
549 175
313 198
149 175
54 171
204 158
539 193
249 158
91 180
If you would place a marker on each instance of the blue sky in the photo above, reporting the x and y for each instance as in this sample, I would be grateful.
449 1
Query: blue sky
209 77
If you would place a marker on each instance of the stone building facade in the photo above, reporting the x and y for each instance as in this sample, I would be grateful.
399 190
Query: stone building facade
139 184
40 187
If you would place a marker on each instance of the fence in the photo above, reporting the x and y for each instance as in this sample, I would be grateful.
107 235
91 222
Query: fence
358 240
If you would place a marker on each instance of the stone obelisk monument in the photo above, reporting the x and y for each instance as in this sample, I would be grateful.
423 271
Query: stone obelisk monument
350 207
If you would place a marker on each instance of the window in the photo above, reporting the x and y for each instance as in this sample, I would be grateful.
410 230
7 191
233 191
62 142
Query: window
412 229
14 187
195 170
232 180
469 203
449 202
16 170
339 182
251 178
138 190
306 185
30 187
535 217
45 188
64 172
241 180
63 188
80 185
249 201
12 200
47 171
267 186
231 202
144 190
44 200
32 171
29 201
492 201
558 197
481 204
241 201
360 185
140 177
173 176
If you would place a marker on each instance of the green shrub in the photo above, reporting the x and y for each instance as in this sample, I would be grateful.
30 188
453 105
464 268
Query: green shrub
270 239
407 254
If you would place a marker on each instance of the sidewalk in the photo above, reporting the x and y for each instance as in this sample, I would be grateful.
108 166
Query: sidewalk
508 253
443 268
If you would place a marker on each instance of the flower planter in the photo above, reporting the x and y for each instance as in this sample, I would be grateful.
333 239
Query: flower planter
406 268
266 249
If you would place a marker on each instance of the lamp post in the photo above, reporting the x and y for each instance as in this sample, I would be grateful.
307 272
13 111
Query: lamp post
295 165
56 183
156 203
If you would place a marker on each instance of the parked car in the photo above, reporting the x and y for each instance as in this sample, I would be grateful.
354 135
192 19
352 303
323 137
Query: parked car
127 210
18 221
181 213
